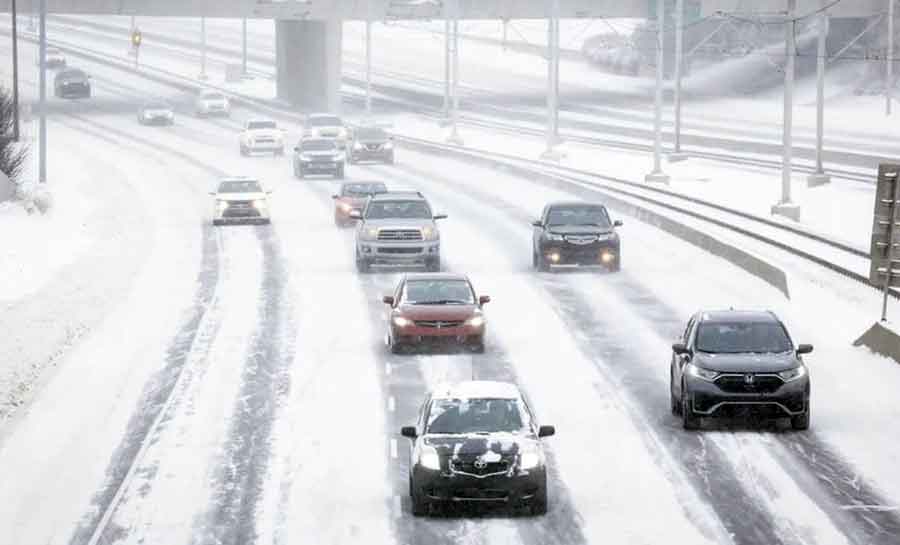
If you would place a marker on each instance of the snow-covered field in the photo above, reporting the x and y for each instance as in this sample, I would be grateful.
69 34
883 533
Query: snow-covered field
231 385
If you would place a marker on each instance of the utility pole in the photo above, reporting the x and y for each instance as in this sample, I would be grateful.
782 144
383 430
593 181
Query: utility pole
785 206
889 78
447 67
369 59
203 48
42 127
15 70
244 46
454 137
658 176
819 177
677 154
552 82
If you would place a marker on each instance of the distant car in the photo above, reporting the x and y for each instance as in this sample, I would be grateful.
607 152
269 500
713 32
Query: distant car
734 360
326 126
576 234
477 442
262 135
210 102
240 200
397 229
371 144
318 156
72 83
55 58
156 112
353 196
436 310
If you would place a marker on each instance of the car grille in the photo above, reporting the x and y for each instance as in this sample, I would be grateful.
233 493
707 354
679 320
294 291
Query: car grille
264 140
439 324
404 251
329 133
399 234
481 494
468 466
581 240
739 384
373 147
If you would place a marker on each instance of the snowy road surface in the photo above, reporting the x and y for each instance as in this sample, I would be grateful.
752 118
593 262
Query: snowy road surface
238 389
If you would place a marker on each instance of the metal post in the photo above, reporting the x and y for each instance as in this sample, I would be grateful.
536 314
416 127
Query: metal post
42 127
369 59
889 78
819 177
890 248
552 82
244 46
785 207
677 154
658 175
447 68
15 70
454 137
203 48
505 29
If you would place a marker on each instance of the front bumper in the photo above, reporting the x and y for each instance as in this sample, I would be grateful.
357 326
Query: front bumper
598 254
74 91
273 145
365 154
464 335
241 214
317 166
399 254
709 399
213 110
157 120
444 486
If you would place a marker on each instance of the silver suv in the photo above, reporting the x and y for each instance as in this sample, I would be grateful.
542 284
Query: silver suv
397 229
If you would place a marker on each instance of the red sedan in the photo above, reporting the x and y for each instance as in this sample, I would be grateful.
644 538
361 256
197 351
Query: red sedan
436 309
353 196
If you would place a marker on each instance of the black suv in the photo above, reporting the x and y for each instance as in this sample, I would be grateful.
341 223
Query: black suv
477 442
72 83
576 234
371 144
733 360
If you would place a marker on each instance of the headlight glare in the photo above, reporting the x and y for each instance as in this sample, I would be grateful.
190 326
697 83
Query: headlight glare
530 459
400 321
259 203
369 233
793 374
555 237
475 321
429 233
429 459
222 204
703 374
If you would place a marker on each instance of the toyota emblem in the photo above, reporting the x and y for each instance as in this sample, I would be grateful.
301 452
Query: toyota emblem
480 464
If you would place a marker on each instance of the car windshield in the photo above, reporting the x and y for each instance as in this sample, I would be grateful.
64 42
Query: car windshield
317 145
212 96
742 337
398 209
438 292
371 133
156 106
261 125
240 186
578 215
479 415
325 121
73 74
363 190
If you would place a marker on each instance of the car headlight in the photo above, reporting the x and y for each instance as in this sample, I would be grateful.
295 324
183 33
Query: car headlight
259 203
357 146
475 321
305 158
703 374
429 459
555 237
369 233
400 321
345 207
388 145
530 459
430 233
222 204
793 374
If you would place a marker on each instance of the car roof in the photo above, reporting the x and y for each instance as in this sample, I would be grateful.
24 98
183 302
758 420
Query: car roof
238 179
399 195
477 389
363 182
436 276
261 120
732 315
575 203
322 114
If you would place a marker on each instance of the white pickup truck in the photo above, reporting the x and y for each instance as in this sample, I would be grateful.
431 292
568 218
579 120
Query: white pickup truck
262 135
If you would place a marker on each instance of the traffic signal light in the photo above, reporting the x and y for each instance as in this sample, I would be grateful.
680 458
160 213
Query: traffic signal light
136 38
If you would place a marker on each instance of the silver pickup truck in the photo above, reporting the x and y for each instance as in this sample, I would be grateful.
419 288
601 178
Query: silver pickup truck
397 229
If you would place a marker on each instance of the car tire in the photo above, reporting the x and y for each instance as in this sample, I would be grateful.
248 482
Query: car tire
689 420
395 348
390 160
433 264
801 421
362 265
478 348
616 266
539 502
339 173
420 506
279 152
350 160
217 222
300 174
673 400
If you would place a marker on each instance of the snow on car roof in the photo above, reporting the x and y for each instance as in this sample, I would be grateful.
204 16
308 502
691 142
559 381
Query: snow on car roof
477 389
732 315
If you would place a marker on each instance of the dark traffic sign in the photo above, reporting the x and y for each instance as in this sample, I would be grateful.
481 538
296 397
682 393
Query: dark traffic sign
885 248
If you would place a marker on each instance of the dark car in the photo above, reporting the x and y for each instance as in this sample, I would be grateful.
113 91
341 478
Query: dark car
156 112
477 442
436 309
576 234
371 144
318 156
734 362
72 83
353 196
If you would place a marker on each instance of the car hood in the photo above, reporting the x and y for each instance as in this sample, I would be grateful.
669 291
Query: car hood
320 153
400 223
373 142
157 111
579 230
746 363
67 80
470 445
240 196
328 130
213 101
438 312
264 133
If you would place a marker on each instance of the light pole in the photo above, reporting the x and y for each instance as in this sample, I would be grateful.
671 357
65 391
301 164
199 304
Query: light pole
15 70
369 59
447 67
658 176
785 206
889 77
454 137
550 152
677 154
244 46
203 48
42 123
819 177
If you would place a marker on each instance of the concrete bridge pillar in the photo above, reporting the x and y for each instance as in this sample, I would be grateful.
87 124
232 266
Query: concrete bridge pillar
309 63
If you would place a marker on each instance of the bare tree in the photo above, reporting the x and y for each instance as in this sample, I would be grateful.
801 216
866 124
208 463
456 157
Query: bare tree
13 155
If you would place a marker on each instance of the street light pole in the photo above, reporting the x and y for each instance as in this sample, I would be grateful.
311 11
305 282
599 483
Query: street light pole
447 67
244 46
658 176
369 59
454 137
203 48
552 82
15 70
785 206
819 177
677 154
889 83
42 126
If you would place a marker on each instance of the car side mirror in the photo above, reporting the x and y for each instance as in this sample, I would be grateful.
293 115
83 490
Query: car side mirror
680 349
269 192
804 348
546 431
355 214
440 216
297 148
484 299
617 223
213 193
537 223
335 197
409 431
388 300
